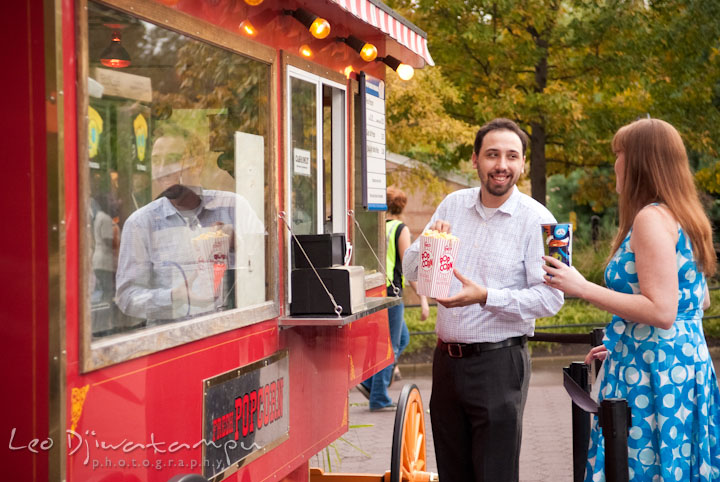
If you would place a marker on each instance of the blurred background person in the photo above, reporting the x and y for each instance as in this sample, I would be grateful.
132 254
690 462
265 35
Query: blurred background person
105 243
397 236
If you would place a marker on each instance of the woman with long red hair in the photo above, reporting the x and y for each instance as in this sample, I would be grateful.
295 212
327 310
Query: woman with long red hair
655 352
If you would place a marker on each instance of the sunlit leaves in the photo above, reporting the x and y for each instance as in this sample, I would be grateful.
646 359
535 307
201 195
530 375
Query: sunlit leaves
608 63
419 125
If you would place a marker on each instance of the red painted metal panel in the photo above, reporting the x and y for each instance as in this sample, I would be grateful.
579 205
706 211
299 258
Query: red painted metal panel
143 418
160 397
301 474
70 179
23 245
280 188
369 348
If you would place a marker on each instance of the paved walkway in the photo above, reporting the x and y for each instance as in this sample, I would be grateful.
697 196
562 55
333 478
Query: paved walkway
547 433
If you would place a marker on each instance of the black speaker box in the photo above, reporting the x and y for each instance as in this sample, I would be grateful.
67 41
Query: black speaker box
346 283
324 250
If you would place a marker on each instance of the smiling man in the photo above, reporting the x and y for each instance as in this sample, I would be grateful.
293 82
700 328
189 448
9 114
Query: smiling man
481 367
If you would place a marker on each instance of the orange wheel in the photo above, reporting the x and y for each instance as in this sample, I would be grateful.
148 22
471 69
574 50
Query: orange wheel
408 462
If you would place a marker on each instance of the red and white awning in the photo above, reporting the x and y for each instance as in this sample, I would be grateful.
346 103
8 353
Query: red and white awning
378 18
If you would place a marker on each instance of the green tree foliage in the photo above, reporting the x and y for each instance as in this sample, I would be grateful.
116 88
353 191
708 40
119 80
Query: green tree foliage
420 127
571 72
682 69
419 123
537 62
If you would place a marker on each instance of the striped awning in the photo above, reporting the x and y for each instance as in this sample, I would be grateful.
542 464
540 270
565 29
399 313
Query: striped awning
380 16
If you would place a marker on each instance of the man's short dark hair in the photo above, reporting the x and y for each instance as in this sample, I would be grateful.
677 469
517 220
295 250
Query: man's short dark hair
496 124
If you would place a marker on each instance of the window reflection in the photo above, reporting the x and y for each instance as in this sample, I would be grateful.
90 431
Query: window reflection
304 165
327 139
178 253
177 153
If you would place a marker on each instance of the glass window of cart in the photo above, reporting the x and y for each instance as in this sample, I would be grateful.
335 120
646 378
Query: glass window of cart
177 160
317 135
316 127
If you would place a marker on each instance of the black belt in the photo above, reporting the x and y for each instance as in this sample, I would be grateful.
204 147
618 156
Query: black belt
462 350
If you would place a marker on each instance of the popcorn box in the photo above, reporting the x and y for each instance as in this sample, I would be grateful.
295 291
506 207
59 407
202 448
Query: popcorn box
558 241
212 249
437 258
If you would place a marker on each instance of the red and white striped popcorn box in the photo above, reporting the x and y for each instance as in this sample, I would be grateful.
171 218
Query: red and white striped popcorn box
435 270
212 246
212 249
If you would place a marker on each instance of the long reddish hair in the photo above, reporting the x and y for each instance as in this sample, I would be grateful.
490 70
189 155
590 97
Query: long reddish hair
657 170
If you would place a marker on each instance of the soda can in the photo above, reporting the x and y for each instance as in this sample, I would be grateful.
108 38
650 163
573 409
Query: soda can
557 238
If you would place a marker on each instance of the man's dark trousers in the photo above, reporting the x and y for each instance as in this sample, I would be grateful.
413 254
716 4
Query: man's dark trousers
476 410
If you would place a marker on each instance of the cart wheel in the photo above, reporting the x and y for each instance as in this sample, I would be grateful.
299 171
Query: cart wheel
188 478
408 462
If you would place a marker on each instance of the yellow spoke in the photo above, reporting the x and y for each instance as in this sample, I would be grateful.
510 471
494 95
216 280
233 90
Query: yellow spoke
418 447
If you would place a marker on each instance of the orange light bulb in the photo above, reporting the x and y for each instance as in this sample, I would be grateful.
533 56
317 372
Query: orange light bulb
305 51
253 3
320 28
368 53
348 71
247 28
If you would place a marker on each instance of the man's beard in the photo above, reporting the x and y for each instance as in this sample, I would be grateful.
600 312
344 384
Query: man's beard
499 190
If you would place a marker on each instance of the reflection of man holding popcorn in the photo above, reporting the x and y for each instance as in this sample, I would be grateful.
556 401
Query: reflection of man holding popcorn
481 367
175 253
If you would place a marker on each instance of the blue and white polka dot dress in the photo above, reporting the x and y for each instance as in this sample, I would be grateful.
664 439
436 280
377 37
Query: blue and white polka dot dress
668 379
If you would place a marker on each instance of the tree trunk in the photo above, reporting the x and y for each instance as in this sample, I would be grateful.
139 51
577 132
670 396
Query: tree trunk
537 162
538 136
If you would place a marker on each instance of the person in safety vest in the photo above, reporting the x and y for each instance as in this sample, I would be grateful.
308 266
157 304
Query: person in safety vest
398 240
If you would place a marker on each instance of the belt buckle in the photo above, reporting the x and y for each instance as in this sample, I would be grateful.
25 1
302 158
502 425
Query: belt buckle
455 350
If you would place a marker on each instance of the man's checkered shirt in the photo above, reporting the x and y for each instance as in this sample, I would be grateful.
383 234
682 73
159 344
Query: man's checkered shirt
503 253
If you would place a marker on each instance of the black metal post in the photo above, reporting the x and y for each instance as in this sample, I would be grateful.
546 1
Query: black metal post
596 337
615 419
580 422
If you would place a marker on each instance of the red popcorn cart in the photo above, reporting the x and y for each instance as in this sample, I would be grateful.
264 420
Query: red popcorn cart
164 153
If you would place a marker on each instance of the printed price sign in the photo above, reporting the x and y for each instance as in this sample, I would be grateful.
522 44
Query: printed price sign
372 103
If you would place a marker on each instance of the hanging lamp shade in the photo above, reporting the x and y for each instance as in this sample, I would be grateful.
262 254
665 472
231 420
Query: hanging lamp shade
115 55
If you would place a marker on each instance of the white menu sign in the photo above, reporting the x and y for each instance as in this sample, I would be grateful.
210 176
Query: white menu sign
375 175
